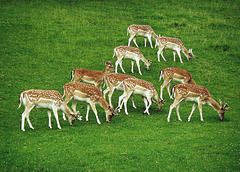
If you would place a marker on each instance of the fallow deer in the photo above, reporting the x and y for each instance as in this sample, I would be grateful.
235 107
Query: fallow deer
143 88
48 99
174 44
114 81
132 53
174 74
92 76
141 31
197 94
87 93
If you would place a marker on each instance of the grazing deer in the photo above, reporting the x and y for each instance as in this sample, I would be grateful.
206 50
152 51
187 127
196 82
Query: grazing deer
140 87
125 52
197 94
174 44
48 99
174 74
92 76
114 81
141 31
88 93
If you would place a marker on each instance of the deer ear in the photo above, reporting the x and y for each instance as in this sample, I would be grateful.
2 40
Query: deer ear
104 62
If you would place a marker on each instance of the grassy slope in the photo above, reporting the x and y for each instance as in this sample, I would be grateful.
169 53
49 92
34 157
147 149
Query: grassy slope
41 42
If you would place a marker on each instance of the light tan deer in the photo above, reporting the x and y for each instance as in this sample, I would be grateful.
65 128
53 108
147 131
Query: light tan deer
141 31
143 88
88 93
92 76
114 81
48 99
134 54
174 74
174 44
197 94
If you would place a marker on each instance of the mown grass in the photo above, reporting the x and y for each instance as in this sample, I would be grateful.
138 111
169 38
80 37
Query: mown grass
42 41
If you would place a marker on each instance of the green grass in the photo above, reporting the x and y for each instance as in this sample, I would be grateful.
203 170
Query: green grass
42 41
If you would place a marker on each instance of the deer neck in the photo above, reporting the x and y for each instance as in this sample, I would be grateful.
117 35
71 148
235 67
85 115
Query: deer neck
214 104
154 35
185 51
192 81
66 109
103 103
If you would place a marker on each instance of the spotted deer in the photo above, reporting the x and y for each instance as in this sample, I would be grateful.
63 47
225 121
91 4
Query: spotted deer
90 94
174 44
140 87
170 74
92 76
141 31
197 94
134 54
48 99
114 81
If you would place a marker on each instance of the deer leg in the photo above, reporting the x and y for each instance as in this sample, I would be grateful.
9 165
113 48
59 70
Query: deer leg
95 111
132 97
200 109
174 58
49 119
150 41
130 39
177 110
88 108
132 62
120 63
179 55
175 103
26 114
168 90
56 116
125 101
110 96
138 65
105 92
165 83
193 109
134 40
120 102
149 101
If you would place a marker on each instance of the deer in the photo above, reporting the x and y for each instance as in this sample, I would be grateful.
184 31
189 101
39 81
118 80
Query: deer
174 74
90 94
47 99
141 31
197 94
114 81
125 52
92 76
143 88
174 44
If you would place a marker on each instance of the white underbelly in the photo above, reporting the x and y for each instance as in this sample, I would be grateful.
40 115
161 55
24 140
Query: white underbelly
192 99
178 80
82 99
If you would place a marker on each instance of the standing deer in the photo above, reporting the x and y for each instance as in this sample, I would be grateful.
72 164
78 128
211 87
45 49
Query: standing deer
141 31
197 94
125 52
143 88
48 99
174 74
88 93
174 44
114 81
92 76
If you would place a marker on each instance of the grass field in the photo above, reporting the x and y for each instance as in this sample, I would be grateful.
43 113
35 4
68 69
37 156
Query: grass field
41 42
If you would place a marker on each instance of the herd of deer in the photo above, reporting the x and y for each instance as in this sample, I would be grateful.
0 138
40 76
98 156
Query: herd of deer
79 91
